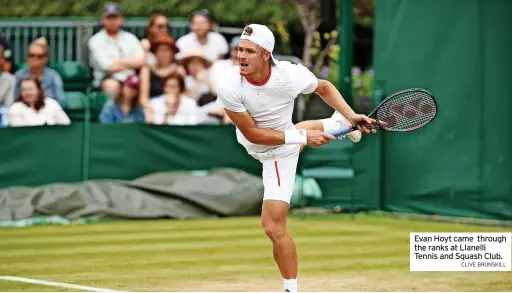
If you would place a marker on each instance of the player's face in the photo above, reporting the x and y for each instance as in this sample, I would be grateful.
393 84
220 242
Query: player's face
251 57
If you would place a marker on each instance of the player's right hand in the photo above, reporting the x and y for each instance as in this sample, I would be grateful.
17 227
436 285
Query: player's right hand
317 138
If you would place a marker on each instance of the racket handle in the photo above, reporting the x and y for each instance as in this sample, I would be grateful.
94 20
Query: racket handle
343 131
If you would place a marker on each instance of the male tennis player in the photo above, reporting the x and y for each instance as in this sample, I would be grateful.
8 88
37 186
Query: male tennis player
258 96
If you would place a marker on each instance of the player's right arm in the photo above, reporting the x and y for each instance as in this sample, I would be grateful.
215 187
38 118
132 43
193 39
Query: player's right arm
264 136
228 96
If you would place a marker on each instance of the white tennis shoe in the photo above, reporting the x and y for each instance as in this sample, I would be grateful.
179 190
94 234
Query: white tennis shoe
354 136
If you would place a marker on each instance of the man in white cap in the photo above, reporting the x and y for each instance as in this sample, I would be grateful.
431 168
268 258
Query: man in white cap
258 96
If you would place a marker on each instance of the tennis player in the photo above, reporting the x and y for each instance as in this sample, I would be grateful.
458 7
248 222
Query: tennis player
258 96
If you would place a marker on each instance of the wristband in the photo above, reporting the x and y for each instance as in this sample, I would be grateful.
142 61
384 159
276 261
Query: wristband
295 137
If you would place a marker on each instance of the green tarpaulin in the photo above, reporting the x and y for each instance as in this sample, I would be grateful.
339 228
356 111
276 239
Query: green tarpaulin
218 193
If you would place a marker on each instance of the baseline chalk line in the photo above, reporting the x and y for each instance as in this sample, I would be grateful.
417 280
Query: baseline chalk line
54 284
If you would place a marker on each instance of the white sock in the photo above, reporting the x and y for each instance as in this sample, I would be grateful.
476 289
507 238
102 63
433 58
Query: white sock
290 285
330 125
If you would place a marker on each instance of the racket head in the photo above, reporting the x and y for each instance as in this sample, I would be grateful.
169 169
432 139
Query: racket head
406 110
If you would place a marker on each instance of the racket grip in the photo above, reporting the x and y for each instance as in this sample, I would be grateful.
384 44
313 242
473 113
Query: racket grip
343 131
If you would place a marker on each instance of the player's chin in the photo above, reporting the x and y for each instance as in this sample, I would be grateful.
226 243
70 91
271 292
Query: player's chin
244 72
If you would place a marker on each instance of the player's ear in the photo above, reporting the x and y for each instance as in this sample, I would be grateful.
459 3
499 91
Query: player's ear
266 55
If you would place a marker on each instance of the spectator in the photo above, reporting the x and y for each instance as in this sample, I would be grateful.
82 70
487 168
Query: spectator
7 83
201 37
32 108
158 25
51 81
173 107
152 76
221 66
197 81
114 54
126 107
8 55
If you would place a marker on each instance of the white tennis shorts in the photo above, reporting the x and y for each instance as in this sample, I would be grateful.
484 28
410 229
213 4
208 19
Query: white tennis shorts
279 176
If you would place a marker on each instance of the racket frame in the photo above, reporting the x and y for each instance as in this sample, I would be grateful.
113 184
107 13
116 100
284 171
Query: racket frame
344 131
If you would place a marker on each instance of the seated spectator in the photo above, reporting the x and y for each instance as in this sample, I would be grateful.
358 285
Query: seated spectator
8 65
114 54
126 107
158 26
201 37
36 66
221 66
197 82
7 83
32 108
152 76
173 107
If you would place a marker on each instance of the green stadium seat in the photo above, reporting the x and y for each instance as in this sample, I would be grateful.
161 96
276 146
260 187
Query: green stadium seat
74 75
97 101
75 105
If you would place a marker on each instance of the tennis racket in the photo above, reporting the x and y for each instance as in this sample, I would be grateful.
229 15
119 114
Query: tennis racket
403 111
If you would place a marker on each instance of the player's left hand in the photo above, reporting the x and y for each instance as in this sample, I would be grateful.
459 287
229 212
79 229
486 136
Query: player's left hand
368 122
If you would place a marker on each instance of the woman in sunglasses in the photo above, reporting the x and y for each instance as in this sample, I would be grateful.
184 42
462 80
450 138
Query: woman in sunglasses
50 80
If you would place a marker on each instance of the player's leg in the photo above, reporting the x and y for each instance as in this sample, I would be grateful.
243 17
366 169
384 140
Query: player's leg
273 219
279 180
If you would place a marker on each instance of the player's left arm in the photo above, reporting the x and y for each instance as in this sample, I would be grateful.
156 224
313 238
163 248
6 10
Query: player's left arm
330 94
308 83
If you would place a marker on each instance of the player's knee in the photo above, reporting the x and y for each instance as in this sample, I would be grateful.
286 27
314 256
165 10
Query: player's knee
274 231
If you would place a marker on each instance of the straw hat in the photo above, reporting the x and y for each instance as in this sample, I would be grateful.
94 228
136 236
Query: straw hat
195 54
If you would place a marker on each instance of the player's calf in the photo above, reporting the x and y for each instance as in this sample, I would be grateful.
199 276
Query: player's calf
273 219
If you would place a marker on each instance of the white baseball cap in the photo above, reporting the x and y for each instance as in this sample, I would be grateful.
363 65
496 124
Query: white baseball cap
259 35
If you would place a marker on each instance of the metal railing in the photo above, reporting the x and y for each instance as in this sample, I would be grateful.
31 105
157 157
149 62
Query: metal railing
67 38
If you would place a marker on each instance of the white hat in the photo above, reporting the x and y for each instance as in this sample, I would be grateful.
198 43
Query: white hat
259 35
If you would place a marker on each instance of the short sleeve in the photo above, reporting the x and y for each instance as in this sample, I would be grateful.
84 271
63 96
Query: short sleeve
229 98
98 58
305 81
135 45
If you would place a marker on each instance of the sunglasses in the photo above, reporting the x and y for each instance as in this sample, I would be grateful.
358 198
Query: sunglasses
39 56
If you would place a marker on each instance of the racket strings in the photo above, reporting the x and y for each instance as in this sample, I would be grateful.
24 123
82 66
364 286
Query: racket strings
407 110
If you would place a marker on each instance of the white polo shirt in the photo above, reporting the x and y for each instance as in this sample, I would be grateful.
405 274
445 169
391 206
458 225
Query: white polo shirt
215 47
103 50
270 105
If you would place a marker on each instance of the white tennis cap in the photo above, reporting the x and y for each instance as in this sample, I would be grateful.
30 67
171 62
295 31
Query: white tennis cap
259 35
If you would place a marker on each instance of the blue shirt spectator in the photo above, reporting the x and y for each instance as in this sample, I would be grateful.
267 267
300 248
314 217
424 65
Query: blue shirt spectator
50 80
125 107
113 113
51 83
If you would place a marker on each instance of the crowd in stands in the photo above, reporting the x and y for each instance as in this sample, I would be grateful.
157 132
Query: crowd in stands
156 80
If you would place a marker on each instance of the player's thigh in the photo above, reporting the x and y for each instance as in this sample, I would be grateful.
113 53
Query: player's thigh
279 178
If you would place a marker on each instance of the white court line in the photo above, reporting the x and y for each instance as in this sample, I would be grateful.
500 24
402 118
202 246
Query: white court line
54 284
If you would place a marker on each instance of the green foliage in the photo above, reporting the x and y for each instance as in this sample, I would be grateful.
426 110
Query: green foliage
326 65
226 12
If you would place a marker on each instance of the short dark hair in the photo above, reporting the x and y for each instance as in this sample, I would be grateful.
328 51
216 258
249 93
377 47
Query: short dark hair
175 75
204 13
40 98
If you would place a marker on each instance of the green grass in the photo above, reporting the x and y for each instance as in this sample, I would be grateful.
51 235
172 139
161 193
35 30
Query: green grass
233 254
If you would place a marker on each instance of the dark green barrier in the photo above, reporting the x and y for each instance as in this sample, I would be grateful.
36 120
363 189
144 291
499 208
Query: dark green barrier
460 165
132 150
40 155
